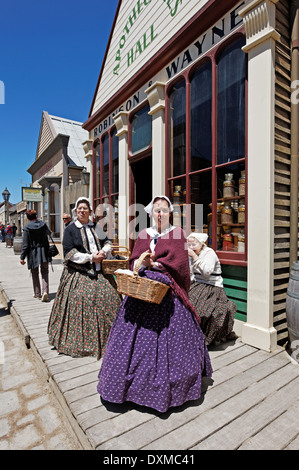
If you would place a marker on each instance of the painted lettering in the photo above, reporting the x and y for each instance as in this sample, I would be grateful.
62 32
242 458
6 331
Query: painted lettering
199 44
116 69
218 31
138 49
141 45
108 122
173 68
122 42
234 16
130 57
137 10
174 10
186 58
136 99
128 105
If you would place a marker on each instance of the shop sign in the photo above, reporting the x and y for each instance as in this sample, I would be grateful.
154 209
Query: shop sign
21 206
32 194
205 42
130 104
45 169
146 38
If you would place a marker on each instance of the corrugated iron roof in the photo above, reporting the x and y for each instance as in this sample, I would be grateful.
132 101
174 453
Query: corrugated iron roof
77 135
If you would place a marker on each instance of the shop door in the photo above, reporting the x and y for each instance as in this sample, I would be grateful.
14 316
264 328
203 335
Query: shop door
141 193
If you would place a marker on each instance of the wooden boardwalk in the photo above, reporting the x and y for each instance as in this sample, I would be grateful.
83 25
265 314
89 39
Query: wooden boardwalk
252 401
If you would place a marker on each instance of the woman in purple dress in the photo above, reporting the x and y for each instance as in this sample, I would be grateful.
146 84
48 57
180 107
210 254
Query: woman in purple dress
156 354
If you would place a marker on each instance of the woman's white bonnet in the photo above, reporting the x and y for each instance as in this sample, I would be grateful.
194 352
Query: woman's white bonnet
201 237
149 207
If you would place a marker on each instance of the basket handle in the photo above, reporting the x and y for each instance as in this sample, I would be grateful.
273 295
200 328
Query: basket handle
139 261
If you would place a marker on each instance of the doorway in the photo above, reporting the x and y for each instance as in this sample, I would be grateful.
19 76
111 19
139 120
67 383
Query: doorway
140 195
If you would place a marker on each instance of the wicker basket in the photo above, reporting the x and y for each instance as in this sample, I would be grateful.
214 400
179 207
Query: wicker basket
140 287
109 266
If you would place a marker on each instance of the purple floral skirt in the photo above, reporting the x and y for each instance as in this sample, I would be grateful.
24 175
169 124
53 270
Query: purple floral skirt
156 355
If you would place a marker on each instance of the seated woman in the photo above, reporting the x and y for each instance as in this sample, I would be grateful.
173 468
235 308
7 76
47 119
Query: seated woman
87 301
156 353
206 292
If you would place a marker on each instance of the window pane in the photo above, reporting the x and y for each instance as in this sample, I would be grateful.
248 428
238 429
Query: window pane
141 130
201 118
231 205
97 170
231 103
106 165
177 129
177 191
114 162
201 193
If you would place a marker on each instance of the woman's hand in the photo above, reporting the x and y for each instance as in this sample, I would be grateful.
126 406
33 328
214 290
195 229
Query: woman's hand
192 254
22 261
98 257
149 261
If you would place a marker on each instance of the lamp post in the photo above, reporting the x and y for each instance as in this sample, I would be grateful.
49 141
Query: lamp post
6 195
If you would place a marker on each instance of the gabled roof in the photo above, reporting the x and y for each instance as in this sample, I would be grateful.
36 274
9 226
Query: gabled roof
52 126
105 57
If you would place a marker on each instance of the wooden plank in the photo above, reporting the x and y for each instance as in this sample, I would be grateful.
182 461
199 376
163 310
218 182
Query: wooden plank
216 419
241 306
230 378
255 420
234 282
236 294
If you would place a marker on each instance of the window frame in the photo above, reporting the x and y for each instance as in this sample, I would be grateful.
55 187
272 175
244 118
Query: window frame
142 153
98 196
213 55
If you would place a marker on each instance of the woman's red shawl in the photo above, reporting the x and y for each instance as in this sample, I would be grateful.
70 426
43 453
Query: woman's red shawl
171 252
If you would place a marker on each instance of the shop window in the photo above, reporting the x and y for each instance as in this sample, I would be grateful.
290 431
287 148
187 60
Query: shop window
115 156
106 166
206 162
141 130
201 112
106 183
177 129
231 103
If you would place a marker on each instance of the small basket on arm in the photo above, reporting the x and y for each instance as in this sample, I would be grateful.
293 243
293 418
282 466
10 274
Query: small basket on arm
139 287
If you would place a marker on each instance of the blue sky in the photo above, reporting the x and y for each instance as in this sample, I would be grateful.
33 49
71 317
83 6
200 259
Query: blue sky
51 54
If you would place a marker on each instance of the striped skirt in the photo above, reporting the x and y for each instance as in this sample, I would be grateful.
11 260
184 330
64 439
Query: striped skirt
216 311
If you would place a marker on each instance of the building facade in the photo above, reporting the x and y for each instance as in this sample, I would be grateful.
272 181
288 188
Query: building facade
194 100
61 169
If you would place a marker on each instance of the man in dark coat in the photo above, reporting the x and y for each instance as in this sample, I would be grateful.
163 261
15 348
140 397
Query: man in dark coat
35 247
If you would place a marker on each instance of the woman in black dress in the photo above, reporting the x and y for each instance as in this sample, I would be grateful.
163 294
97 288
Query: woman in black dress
87 301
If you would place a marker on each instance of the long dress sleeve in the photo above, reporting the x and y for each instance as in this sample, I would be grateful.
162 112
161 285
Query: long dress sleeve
205 264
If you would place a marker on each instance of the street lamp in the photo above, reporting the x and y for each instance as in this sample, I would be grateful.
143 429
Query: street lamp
6 195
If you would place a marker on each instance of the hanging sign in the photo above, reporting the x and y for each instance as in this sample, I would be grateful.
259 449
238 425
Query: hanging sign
32 194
